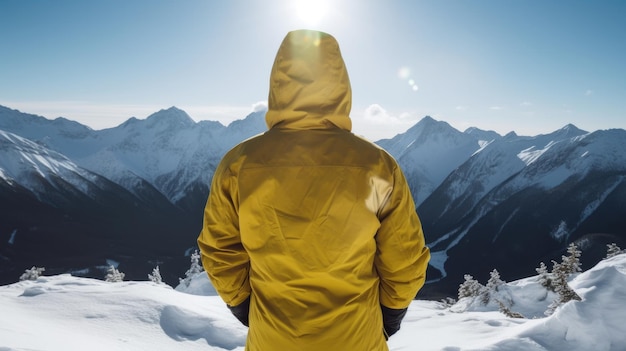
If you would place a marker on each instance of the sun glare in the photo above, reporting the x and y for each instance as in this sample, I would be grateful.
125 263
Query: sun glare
310 12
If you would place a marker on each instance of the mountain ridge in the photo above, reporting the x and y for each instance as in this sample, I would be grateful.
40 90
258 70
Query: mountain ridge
469 187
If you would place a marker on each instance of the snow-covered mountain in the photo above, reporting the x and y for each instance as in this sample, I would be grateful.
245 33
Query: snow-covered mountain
520 200
494 201
66 217
428 152
143 183
168 150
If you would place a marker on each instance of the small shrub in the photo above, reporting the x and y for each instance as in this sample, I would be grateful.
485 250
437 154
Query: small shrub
470 287
447 302
155 277
32 274
114 276
613 250
507 311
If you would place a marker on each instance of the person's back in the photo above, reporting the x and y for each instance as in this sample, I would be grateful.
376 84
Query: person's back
314 226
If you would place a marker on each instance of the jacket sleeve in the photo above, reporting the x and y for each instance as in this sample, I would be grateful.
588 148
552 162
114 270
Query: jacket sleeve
401 256
223 256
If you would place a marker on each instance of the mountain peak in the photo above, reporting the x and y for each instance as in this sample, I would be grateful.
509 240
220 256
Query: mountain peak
486 135
428 119
173 117
510 135
429 125
571 130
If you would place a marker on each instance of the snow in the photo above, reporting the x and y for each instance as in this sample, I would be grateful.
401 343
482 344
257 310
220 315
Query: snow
561 233
532 154
167 149
12 238
22 157
171 152
429 151
594 204
68 313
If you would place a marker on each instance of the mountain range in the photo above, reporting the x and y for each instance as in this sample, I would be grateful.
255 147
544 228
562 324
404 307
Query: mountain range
77 200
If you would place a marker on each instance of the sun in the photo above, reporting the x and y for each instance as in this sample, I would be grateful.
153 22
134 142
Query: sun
310 12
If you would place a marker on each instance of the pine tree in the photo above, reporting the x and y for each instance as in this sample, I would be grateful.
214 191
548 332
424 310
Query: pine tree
561 273
507 311
545 278
155 277
113 275
32 274
612 250
470 287
494 282
571 262
493 286
193 270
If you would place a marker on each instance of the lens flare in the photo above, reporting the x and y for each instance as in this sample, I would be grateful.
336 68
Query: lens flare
404 73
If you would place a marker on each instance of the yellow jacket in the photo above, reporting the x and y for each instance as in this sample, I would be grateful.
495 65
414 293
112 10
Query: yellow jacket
315 224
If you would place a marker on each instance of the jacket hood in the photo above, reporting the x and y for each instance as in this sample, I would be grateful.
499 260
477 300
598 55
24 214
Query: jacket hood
309 84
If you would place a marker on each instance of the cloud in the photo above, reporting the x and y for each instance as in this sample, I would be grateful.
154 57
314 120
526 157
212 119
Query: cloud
495 108
259 106
526 104
376 114
376 123
589 92
461 108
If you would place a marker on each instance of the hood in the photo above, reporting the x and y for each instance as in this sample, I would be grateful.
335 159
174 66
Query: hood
309 84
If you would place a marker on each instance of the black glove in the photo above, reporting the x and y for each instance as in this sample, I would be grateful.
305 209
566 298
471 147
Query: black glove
241 311
391 320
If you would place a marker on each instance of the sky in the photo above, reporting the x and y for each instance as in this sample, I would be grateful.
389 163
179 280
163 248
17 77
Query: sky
525 66
66 313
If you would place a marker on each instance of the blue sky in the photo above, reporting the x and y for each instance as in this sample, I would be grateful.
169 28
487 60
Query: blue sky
528 66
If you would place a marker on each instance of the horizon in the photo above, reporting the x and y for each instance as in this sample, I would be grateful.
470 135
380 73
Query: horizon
470 64
261 110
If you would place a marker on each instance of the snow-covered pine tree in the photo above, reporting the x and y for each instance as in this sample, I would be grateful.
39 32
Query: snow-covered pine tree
560 276
32 274
193 270
544 278
612 250
155 277
571 262
507 311
113 275
494 282
470 287
447 302
492 287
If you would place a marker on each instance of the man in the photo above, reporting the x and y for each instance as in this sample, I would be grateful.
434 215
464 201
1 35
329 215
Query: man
310 232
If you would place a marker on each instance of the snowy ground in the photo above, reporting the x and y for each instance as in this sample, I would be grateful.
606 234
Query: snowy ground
69 313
